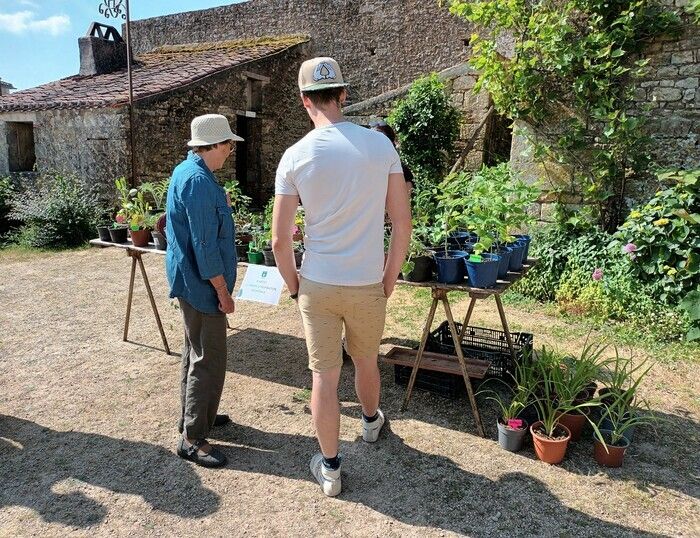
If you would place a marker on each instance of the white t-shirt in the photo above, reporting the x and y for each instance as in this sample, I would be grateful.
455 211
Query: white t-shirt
341 174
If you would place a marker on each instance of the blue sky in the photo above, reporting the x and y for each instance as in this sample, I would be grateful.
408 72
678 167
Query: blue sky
39 38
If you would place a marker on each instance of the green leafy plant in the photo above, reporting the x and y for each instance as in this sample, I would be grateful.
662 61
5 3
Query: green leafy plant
691 304
59 213
560 383
665 236
238 199
158 191
571 79
6 193
137 211
427 126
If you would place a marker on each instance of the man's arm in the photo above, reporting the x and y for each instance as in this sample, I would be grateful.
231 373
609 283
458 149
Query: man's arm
399 209
283 213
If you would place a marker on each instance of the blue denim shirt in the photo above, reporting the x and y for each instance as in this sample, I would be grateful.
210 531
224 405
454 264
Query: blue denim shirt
200 235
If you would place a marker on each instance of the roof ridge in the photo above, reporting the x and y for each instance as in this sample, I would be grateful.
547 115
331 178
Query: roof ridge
284 40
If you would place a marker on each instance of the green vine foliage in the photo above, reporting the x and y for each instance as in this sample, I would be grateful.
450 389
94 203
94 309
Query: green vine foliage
572 79
427 126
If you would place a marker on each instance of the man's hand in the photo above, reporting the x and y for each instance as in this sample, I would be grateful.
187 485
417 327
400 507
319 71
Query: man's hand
226 304
389 285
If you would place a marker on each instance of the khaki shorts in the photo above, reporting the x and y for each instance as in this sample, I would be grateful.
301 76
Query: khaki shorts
325 308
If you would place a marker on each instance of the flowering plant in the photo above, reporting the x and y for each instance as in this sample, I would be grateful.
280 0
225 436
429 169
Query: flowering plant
663 236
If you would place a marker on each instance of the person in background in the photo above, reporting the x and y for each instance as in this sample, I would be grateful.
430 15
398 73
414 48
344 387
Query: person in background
386 129
201 269
348 177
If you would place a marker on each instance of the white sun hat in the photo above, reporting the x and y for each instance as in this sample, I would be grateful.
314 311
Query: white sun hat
211 129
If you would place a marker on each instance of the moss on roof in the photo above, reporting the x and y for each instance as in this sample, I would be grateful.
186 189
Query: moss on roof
238 44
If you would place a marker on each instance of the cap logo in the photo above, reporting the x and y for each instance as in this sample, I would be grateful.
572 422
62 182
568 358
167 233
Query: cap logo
324 71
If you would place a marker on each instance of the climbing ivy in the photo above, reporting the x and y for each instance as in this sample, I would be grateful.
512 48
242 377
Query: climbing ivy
571 78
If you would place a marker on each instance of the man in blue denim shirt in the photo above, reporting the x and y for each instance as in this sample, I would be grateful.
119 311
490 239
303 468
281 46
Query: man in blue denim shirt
201 269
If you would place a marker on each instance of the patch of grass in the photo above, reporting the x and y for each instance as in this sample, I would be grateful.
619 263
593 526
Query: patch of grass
303 396
18 253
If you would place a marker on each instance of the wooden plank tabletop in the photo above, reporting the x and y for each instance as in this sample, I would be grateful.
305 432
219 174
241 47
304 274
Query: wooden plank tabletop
501 285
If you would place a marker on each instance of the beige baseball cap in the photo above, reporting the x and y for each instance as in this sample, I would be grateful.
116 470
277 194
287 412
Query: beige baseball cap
211 129
320 74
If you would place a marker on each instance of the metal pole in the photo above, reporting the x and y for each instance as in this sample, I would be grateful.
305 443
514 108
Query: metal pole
132 146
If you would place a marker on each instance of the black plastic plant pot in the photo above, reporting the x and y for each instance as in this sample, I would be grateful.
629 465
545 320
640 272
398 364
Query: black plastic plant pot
242 252
606 424
269 257
450 266
527 240
422 270
504 262
483 274
118 235
516 256
103 232
511 439
298 257
159 240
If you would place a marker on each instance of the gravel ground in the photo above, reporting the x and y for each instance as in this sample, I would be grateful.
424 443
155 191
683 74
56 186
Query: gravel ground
88 430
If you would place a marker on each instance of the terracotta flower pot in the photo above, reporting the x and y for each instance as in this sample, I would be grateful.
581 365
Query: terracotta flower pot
614 455
140 238
574 422
550 450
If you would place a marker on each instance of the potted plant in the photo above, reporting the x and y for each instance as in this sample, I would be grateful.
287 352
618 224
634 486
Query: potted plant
298 247
118 231
158 237
257 242
452 201
418 266
138 214
549 436
103 224
611 439
621 378
511 424
573 381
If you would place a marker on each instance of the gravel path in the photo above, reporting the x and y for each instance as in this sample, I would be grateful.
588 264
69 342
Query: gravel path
87 431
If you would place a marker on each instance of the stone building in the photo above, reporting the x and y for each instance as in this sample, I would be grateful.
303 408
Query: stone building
80 124
234 67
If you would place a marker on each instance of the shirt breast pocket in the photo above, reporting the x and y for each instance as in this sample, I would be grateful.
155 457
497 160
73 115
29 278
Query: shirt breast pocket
224 215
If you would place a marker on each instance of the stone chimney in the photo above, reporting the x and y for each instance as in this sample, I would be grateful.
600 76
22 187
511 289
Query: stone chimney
102 50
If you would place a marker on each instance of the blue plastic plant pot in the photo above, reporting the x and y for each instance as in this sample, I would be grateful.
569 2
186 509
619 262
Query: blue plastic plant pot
450 266
504 263
527 240
516 256
483 274
457 240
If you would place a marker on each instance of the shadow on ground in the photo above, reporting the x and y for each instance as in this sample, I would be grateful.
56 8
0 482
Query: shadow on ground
450 498
35 459
666 457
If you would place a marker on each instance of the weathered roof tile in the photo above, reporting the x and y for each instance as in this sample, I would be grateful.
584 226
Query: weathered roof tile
161 70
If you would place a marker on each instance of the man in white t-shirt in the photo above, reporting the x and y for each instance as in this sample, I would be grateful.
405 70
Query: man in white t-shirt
347 177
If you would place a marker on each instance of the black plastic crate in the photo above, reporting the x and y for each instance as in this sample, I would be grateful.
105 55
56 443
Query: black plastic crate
440 383
485 344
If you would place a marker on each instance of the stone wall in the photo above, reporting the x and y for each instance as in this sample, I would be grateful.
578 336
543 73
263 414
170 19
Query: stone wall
88 143
459 83
380 44
164 121
672 91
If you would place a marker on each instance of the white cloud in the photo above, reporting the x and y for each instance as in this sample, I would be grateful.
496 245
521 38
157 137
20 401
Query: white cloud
25 21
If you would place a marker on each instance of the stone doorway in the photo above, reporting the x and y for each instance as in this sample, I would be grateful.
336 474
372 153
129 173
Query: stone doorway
249 157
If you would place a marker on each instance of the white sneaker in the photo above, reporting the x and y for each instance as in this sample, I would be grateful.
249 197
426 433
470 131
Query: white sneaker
370 430
328 479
